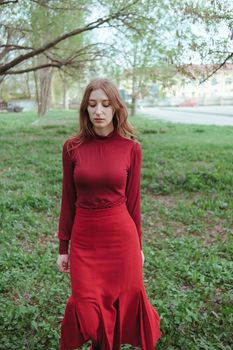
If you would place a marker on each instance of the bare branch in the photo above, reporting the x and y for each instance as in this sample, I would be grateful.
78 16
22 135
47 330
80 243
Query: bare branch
73 61
12 47
218 51
118 15
32 69
216 69
6 2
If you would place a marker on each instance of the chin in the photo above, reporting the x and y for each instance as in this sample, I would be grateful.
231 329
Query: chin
100 125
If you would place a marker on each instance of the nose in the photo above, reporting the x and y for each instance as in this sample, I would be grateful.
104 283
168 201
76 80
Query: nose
99 108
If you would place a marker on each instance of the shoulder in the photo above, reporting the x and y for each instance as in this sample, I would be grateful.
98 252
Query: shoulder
132 143
136 151
68 148
70 144
135 147
65 146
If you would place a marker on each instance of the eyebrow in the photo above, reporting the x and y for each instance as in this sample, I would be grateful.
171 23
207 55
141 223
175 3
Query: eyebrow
101 100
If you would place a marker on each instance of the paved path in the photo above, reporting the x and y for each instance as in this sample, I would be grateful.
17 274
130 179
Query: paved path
206 115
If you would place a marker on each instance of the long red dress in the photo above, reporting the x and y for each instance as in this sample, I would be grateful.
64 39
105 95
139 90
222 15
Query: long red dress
100 216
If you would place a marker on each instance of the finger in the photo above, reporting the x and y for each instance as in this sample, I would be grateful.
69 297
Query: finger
67 271
60 267
64 267
64 270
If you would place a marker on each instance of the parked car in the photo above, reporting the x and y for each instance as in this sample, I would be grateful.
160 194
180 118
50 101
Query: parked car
191 102
14 108
177 102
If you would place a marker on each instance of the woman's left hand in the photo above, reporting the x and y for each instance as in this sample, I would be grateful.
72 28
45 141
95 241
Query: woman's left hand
143 258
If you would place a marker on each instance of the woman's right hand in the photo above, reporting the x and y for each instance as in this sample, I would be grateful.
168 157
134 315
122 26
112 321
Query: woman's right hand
63 263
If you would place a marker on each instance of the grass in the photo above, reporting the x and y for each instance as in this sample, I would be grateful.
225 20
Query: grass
187 191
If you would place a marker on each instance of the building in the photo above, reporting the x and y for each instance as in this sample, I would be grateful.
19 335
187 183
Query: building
216 90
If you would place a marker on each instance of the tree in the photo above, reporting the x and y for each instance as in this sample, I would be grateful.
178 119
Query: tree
152 39
205 32
141 57
178 35
122 15
41 46
47 22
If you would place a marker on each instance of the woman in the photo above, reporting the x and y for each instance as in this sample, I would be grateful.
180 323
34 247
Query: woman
100 216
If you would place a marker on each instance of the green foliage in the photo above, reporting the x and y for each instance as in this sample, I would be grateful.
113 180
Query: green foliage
187 231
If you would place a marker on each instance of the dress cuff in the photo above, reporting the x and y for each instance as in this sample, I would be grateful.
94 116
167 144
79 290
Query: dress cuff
63 246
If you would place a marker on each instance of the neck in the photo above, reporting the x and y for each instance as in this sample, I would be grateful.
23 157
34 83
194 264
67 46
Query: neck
104 132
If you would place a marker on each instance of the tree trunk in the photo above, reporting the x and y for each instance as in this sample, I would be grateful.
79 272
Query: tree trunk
1 81
65 99
45 78
36 87
28 92
133 99
133 106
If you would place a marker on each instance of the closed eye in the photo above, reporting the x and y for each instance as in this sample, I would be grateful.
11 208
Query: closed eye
105 103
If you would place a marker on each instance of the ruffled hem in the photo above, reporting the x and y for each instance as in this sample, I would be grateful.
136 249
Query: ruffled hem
130 319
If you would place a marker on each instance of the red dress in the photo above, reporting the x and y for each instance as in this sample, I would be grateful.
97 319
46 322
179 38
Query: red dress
100 216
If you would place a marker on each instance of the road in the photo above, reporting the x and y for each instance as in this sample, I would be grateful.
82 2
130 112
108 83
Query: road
205 115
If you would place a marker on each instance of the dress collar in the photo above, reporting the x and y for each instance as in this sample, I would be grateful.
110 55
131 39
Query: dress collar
112 135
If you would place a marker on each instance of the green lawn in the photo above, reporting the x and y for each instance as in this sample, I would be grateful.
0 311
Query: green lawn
187 206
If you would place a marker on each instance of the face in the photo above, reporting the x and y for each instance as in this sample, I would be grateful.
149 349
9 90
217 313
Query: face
100 111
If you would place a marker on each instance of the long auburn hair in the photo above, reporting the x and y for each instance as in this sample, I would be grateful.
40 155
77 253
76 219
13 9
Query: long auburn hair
120 122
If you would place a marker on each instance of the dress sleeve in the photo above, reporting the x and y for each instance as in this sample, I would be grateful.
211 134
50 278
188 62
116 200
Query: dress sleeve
67 211
133 188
